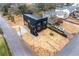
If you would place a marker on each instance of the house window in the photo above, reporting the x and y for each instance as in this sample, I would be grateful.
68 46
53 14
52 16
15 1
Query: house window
38 28
32 26
39 24
28 21
44 22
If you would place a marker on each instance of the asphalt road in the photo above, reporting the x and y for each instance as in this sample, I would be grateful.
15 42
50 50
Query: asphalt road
15 44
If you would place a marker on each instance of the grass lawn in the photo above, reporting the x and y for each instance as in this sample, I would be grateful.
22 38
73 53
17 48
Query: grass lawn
4 51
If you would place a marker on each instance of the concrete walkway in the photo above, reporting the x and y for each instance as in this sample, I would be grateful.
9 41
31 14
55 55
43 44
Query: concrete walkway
72 49
15 44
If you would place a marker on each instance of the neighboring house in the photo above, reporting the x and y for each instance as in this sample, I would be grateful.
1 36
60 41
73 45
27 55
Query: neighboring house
49 13
65 11
59 12
35 23
62 12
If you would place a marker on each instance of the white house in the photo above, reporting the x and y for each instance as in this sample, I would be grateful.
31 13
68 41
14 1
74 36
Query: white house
62 12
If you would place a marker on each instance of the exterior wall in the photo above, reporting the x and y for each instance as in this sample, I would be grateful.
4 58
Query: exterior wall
36 26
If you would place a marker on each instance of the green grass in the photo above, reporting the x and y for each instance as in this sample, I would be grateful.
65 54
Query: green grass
4 50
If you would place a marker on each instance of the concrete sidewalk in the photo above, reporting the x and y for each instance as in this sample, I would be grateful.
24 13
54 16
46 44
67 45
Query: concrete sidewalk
16 47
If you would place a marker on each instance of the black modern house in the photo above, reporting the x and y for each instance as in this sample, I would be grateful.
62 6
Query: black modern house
35 23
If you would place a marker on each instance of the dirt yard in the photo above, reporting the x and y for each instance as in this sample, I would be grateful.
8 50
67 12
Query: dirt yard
47 43
74 20
71 28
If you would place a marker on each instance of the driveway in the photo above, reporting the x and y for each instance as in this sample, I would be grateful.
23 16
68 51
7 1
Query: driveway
16 45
